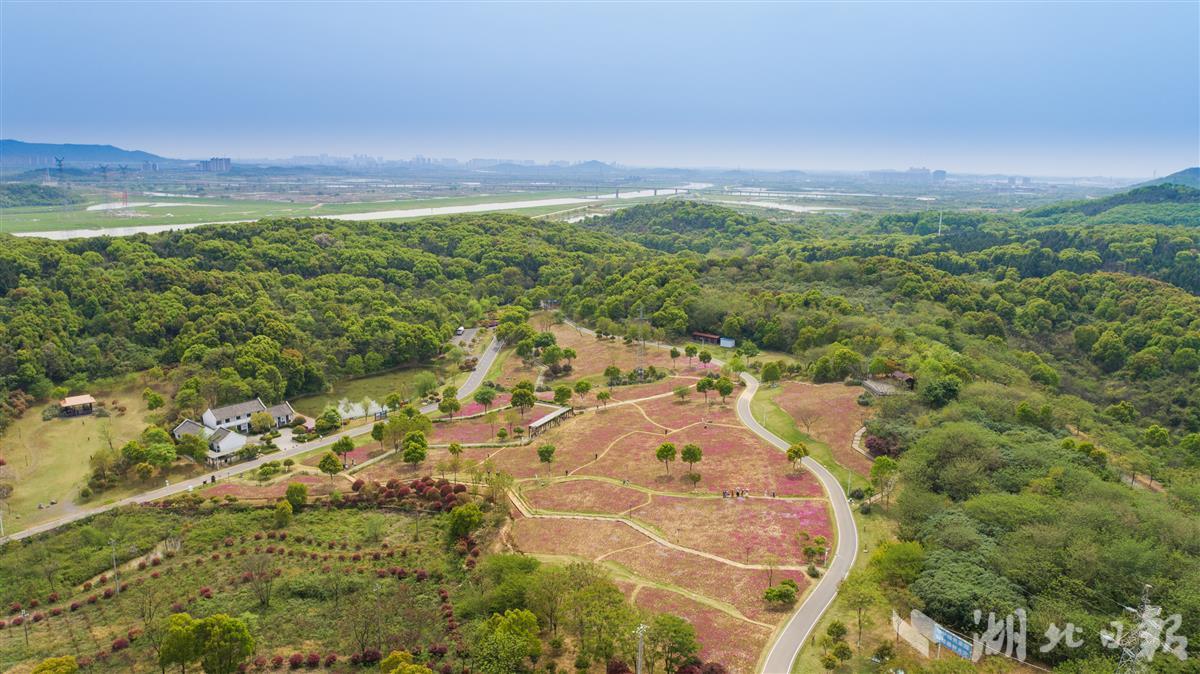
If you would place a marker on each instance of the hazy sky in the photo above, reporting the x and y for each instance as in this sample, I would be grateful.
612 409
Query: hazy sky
1067 89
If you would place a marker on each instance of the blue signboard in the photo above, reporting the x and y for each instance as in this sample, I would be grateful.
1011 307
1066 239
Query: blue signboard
959 645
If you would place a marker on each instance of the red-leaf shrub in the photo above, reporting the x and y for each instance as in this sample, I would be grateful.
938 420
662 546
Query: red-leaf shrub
358 484
74 606
92 599
277 662
370 657
53 597
313 660
87 586
260 662
56 611
296 661
155 561
330 660
17 622
14 607
120 644
109 593
38 617
134 633
176 608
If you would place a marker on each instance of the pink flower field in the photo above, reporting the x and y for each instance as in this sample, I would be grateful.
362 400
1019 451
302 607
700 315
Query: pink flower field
733 458
585 496
723 638
743 530
581 538
740 588
835 413
478 429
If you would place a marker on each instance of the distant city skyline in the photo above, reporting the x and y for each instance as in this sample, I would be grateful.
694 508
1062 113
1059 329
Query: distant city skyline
1048 89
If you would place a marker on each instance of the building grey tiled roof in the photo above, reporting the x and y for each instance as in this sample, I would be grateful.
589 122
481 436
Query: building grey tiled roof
189 427
220 435
283 409
238 409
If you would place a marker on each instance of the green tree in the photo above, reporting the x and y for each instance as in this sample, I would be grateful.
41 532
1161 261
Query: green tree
859 593
463 520
329 421
63 665
523 399
378 432
152 398
690 351
724 387
261 422
297 495
449 406
192 446
671 640
582 388
705 357
546 454
612 374
343 446
885 472
674 355
796 453
485 396
682 392
666 454
416 448
770 373
603 397
283 514
704 386
330 465
179 644
562 394
223 643
691 454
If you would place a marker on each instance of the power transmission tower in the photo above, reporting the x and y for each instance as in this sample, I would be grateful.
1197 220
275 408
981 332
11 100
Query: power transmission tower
640 631
1139 642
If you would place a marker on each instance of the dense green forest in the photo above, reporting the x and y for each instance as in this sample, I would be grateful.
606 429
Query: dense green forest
13 195
1056 357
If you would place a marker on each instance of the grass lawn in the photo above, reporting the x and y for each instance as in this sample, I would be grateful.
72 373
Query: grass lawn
48 460
767 413
873 531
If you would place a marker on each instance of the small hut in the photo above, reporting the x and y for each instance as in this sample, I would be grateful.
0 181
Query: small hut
73 406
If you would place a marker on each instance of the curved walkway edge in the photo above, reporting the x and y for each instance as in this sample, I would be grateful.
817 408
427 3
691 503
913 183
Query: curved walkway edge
790 639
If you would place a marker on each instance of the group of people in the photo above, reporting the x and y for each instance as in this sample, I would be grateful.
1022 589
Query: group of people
744 493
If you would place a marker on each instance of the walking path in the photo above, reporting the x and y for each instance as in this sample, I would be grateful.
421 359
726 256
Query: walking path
464 392
791 638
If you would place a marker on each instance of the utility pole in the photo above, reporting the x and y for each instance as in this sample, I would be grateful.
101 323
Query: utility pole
112 542
640 631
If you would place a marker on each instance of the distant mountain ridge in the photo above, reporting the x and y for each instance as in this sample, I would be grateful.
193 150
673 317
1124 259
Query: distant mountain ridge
20 153
1161 193
1188 176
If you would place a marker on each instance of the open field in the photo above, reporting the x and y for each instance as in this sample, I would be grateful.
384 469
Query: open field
478 429
748 530
833 415
585 495
48 460
596 354
780 423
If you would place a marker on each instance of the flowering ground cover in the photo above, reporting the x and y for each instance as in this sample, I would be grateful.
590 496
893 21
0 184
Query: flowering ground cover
734 458
471 408
833 415
740 588
723 638
588 539
746 530
584 496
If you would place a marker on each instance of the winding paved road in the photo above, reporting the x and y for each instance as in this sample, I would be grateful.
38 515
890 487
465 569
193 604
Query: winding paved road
791 638
465 391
